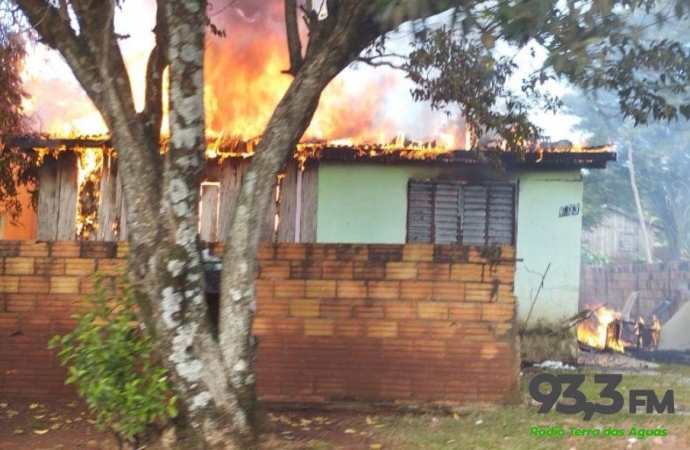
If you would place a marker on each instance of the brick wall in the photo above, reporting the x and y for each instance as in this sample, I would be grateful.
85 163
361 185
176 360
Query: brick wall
654 282
41 285
416 323
406 323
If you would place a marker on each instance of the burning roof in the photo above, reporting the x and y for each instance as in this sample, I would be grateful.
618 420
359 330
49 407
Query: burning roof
244 81
545 155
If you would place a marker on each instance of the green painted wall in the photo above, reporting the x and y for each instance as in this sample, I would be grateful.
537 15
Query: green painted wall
364 203
367 203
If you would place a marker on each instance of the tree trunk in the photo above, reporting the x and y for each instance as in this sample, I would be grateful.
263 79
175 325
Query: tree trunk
288 123
326 57
673 217
161 201
638 205
167 262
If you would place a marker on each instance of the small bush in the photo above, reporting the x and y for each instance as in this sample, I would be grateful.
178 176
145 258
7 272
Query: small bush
110 360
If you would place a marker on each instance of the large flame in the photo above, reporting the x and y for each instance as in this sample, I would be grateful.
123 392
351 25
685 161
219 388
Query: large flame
244 83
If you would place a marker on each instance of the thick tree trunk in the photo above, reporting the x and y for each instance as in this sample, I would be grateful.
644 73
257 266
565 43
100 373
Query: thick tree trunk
238 305
170 260
161 199
336 48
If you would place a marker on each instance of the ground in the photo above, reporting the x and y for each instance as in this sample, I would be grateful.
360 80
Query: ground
63 425
59 424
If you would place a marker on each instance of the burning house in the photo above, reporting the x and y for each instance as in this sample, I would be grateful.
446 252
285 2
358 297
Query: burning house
337 192
351 307
349 182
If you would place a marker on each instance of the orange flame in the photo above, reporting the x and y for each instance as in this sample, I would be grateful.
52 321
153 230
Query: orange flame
89 170
243 84
596 332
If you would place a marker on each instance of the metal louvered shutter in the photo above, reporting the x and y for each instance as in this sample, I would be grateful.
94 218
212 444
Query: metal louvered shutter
455 213
474 215
447 207
420 212
501 226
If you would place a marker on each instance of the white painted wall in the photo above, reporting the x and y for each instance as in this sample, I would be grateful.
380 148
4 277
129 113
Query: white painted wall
545 238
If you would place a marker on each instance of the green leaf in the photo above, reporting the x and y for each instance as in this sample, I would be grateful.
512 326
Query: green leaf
112 366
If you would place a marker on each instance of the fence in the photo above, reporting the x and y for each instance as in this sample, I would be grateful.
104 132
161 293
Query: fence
654 282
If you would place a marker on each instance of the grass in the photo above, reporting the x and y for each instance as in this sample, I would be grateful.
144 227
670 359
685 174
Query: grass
509 426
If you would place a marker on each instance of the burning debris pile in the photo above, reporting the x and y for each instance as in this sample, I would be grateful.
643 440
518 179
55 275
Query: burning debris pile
604 328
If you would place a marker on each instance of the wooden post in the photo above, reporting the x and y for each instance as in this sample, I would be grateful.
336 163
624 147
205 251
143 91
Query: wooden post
231 176
310 200
57 197
208 211
107 206
288 204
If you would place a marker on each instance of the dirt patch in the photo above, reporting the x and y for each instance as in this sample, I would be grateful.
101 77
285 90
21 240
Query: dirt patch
58 425
67 426
319 429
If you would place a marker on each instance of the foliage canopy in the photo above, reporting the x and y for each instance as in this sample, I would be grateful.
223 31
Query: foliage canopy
15 166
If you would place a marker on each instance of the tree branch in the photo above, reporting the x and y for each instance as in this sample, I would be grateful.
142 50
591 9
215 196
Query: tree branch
152 114
310 17
383 63
45 19
293 40
319 29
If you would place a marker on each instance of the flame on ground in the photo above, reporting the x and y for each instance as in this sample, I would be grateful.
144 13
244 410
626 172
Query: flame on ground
595 333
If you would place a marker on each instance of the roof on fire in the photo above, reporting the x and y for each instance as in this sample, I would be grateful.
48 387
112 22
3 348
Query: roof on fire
560 154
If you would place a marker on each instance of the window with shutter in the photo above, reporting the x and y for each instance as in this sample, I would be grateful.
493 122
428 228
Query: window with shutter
474 215
419 212
445 212
501 223
447 204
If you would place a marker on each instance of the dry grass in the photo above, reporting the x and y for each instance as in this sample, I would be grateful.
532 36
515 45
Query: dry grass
509 427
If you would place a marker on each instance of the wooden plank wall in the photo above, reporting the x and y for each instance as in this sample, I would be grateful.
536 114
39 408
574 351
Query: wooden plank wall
57 197
230 174
57 206
287 204
310 200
